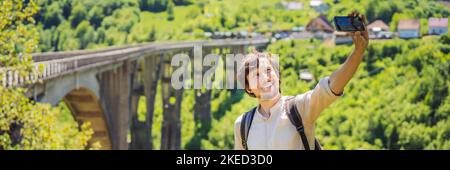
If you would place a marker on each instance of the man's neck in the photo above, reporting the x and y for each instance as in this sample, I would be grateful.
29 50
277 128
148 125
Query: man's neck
265 105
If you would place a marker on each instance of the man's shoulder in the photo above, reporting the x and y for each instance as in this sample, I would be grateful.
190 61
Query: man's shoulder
295 98
238 120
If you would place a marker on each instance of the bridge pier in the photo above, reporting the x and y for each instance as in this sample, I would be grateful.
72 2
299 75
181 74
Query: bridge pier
138 130
171 126
152 73
115 94
141 132
202 106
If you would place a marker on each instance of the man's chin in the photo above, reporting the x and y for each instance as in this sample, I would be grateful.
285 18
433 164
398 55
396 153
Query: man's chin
269 96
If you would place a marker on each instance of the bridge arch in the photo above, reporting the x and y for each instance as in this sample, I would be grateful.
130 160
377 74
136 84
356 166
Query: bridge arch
85 106
80 92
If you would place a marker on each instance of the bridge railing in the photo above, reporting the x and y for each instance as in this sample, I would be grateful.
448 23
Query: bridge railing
54 64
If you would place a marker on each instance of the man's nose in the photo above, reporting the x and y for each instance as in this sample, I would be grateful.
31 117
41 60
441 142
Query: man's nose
265 77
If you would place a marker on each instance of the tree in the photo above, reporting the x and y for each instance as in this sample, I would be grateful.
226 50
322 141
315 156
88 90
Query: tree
66 8
66 38
182 2
78 15
153 5
370 12
152 34
85 33
53 16
445 39
96 16
100 35
122 19
170 15
25 124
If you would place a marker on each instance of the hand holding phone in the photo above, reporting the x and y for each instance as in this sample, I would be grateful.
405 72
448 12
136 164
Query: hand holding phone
354 25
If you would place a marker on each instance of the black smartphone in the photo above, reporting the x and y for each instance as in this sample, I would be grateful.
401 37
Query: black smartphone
349 23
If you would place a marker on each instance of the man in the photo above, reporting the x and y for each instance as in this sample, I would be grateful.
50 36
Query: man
271 127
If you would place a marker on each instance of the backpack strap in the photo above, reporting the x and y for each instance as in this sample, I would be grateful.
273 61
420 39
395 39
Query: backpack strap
246 122
296 120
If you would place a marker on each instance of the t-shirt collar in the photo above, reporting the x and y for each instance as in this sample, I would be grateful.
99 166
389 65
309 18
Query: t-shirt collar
274 110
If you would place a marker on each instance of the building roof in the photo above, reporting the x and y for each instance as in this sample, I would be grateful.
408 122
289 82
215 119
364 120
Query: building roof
378 24
409 24
306 75
319 23
315 2
293 5
438 22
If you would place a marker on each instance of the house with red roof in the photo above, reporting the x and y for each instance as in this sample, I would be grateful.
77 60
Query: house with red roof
437 26
379 29
409 28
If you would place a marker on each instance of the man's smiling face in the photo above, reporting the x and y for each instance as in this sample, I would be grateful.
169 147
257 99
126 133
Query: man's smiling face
264 80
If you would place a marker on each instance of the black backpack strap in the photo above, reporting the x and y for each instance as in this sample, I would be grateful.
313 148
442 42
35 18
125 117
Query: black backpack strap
246 122
317 144
296 120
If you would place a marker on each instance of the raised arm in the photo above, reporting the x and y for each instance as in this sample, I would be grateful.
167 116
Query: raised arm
340 77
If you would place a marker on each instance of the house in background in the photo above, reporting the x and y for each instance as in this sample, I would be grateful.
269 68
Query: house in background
281 34
378 29
301 35
298 29
409 28
306 75
437 26
292 6
319 5
320 27
342 38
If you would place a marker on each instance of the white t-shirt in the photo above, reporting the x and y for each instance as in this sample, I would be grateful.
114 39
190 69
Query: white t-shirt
277 132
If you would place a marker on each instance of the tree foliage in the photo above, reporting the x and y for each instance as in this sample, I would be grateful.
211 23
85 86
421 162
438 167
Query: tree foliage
25 124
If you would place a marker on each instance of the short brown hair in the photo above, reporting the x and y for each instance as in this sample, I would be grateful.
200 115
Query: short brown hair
245 68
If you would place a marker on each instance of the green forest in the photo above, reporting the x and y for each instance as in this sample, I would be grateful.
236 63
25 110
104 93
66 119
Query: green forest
398 99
